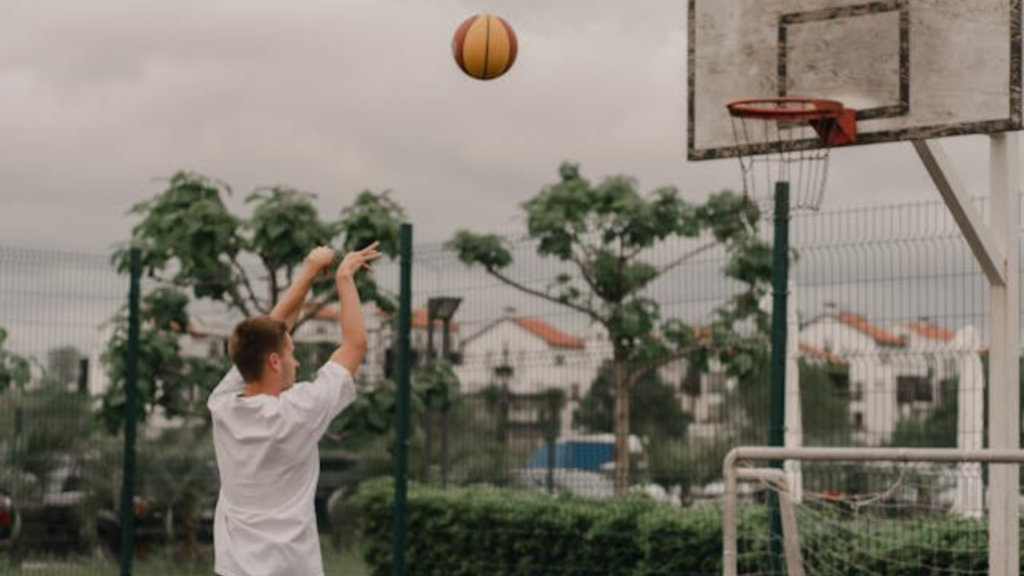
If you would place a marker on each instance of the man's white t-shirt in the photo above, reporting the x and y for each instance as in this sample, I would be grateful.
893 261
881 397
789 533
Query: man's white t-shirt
265 522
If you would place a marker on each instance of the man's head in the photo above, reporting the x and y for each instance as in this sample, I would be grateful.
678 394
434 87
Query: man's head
264 353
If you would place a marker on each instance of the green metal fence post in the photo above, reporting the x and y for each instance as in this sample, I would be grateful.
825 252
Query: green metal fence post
777 402
402 412
131 388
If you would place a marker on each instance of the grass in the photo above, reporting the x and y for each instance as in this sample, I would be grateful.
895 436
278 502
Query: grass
336 563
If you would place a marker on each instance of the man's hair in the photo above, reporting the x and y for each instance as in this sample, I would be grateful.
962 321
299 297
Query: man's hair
252 341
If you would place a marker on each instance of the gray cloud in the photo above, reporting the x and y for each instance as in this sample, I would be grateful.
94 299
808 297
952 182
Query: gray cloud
98 99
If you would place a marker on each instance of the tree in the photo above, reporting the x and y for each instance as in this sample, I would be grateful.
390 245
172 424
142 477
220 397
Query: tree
15 370
937 428
33 446
197 248
825 404
653 407
177 384
189 239
62 364
606 233
434 387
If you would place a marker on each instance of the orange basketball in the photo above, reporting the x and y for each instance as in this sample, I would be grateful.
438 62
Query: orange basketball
484 46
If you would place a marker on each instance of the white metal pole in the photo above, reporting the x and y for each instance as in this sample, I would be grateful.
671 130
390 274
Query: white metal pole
1004 377
730 564
794 437
970 490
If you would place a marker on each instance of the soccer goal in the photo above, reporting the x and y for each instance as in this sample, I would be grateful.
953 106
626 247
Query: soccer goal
861 511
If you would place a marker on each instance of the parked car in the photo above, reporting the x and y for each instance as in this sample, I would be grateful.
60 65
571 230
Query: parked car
57 524
585 465
334 466
10 521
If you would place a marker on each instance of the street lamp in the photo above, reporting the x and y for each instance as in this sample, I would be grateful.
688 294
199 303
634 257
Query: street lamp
440 308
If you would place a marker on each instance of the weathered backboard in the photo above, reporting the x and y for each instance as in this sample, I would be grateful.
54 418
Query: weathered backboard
912 69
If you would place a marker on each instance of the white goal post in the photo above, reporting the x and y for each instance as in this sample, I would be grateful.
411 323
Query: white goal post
738 467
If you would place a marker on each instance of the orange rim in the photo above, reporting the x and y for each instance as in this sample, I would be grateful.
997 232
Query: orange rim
786 109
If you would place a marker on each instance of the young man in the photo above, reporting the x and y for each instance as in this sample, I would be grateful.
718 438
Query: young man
266 429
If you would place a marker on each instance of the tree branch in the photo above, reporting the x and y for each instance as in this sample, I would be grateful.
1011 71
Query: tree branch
652 366
273 284
687 256
592 314
237 300
245 282
315 306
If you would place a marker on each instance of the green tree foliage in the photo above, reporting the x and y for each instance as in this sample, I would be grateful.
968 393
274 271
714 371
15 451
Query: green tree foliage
189 238
198 249
167 379
825 404
936 429
33 447
607 232
435 387
15 370
62 365
654 410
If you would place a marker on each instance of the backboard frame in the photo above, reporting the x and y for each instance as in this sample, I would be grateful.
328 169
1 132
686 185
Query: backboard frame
809 12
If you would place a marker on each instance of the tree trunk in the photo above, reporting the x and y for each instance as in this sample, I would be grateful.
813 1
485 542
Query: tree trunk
621 426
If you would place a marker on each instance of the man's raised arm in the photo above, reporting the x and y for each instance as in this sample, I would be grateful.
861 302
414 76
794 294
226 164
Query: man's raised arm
353 329
289 306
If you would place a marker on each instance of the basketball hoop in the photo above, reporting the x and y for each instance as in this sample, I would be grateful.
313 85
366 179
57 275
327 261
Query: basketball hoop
788 140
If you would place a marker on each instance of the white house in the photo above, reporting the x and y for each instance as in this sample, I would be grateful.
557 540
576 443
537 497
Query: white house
702 395
529 357
894 372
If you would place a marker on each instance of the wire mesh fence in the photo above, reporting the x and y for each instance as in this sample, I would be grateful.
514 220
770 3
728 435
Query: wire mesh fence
892 347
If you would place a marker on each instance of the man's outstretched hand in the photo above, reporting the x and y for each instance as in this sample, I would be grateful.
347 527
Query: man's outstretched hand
320 259
357 260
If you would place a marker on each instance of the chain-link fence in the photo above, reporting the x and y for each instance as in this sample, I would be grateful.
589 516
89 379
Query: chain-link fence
891 313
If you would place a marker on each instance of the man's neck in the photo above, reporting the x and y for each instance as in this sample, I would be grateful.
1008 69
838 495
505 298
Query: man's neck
259 387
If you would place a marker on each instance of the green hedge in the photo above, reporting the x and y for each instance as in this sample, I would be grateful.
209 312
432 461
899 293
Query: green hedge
494 532
497 532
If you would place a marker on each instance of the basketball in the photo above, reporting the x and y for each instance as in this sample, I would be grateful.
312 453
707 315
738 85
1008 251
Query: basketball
484 46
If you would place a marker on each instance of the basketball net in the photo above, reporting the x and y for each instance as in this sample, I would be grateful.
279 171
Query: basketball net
788 140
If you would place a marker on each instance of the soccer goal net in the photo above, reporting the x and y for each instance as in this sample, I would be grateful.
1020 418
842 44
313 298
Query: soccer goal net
859 511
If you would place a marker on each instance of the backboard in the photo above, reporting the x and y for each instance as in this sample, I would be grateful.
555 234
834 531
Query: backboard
912 69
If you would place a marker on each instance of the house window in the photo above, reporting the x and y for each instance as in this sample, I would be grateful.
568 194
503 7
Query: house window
840 381
503 371
575 394
716 413
691 382
716 383
858 421
913 389
828 346
559 360
857 391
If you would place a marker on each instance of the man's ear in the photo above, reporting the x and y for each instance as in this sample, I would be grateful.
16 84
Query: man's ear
274 361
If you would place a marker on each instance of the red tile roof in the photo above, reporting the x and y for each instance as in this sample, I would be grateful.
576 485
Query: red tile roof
553 336
819 354
880 335
419 317
931 331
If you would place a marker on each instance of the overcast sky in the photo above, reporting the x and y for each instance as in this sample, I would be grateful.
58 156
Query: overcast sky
99 99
